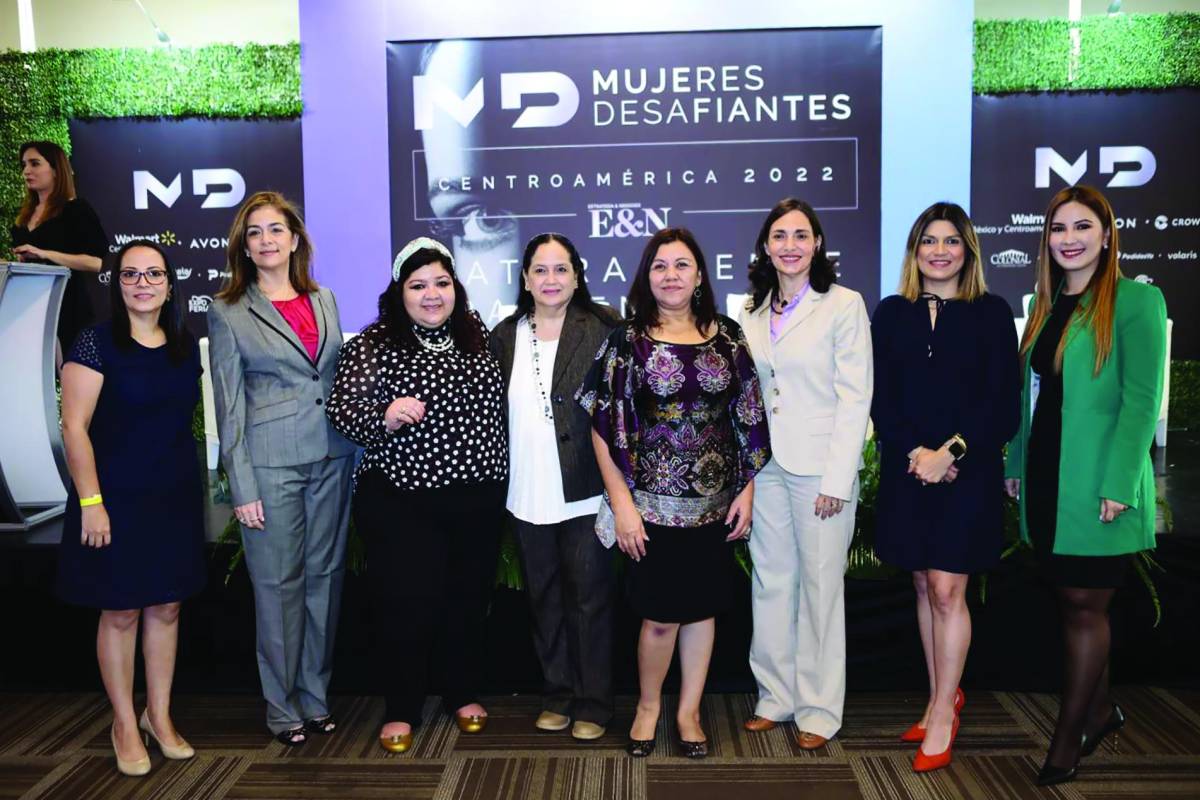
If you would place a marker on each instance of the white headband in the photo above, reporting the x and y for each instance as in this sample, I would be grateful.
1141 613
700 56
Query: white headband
419 243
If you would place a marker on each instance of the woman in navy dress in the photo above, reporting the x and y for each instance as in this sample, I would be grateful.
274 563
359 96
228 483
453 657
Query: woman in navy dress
133 537
947 399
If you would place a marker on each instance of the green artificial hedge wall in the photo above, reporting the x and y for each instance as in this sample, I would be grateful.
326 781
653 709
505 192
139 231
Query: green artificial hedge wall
1125 51
40 91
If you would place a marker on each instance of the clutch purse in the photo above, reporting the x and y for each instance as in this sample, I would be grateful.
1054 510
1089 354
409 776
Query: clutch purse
606 523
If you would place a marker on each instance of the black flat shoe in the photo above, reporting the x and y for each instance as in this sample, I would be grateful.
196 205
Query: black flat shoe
1114 723
325 725
1051 776
640 748
693 749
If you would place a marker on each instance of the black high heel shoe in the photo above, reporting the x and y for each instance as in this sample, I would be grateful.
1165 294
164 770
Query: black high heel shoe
1114 723
640 748
1050 775
693 749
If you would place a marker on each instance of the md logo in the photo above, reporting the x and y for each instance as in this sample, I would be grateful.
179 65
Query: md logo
1047 160
145 184
429 92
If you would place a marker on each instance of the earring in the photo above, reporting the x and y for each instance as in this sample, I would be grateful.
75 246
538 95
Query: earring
696 294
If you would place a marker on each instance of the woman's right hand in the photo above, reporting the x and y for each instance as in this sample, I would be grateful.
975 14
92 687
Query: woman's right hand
96 531
403 411
1013 487
251 515
631 533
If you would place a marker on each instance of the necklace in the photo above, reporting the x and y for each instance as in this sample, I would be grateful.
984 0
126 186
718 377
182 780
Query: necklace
537 369
431 344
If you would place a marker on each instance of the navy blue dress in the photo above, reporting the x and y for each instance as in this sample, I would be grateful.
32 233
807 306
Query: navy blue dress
961 377
149 475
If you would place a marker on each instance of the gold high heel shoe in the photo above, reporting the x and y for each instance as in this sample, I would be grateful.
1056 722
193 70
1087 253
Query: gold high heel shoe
473 723
179 752
397 743
135 768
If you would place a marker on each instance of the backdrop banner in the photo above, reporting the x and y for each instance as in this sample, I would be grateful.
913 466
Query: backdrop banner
178 182
1137 147
609 138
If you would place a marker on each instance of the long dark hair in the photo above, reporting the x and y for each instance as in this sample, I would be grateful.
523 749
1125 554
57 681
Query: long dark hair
581 299
643 308
763 279
64 183
170 319
468 333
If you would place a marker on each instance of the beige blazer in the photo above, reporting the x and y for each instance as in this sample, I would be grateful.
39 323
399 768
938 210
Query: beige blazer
817 379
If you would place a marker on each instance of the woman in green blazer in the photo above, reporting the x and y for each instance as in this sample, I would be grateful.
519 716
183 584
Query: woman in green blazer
1093 359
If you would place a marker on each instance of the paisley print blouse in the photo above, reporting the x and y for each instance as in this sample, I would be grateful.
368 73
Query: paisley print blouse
684 423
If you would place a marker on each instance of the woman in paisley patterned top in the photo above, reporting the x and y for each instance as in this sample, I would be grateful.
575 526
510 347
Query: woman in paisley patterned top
680 432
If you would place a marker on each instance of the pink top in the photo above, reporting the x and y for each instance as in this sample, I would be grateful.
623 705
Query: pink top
780 319
299 314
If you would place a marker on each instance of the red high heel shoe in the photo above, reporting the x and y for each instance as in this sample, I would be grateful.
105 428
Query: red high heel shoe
927 763
917 733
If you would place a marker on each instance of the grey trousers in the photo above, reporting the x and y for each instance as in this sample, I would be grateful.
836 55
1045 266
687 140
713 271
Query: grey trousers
571 587
297 565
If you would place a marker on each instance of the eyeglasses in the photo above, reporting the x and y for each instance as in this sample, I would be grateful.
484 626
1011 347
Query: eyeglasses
154 277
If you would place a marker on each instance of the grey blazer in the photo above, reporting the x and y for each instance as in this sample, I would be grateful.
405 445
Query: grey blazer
582 335
270 396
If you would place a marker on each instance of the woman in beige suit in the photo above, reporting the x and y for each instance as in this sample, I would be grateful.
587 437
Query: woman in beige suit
811 343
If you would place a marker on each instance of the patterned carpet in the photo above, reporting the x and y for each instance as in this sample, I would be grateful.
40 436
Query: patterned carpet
56 746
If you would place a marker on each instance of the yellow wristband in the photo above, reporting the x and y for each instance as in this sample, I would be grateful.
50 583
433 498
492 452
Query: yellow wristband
94 500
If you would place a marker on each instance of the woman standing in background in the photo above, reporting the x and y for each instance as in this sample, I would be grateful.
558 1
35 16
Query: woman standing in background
56 227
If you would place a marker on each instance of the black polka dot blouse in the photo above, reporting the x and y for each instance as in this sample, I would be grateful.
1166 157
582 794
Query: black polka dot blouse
461 440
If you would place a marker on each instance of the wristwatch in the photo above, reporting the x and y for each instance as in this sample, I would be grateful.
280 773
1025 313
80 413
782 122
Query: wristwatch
957 446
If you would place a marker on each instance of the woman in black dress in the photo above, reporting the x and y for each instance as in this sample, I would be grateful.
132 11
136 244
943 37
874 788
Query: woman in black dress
946 401
133 535
420 390
56 227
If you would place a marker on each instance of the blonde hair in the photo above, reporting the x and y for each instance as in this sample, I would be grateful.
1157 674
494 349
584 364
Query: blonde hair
971 284
1098 311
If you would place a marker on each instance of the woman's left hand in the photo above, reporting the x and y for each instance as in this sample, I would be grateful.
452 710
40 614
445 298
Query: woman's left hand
1111 509
741 510
826 506
930 466
27 252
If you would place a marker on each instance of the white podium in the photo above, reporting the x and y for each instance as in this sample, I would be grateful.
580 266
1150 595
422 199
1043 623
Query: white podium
33 464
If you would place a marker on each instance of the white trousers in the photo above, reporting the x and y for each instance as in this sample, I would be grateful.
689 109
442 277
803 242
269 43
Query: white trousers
798 652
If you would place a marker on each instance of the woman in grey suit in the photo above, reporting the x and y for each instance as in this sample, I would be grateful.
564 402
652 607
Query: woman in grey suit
545 349
274 340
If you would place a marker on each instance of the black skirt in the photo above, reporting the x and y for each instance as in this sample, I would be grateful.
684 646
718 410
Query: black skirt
687 574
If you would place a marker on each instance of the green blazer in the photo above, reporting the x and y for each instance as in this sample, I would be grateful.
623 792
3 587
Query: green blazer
1108 424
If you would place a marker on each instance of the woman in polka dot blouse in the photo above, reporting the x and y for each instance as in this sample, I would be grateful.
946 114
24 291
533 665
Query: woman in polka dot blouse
421 392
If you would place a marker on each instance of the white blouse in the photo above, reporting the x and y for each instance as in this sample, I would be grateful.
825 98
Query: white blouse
535 493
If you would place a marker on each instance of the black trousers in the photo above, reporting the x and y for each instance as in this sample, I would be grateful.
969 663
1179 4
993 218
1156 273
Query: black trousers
431 565
569 576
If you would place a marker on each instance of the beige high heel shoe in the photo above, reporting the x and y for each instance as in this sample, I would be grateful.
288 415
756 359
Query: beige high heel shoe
135 768
178 752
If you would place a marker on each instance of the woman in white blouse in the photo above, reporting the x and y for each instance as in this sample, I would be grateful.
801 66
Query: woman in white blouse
545 349
811 343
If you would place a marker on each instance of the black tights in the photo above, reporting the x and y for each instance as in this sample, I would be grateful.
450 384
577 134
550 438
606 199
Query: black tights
1085 701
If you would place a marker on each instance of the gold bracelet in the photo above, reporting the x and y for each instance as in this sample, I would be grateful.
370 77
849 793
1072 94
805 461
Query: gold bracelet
94 500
